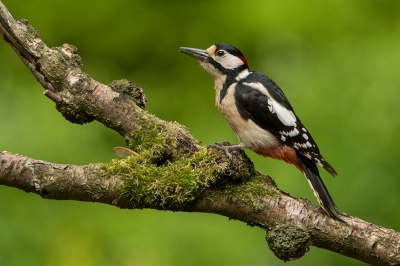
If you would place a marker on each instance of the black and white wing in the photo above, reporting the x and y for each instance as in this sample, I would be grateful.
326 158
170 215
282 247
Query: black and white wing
260 99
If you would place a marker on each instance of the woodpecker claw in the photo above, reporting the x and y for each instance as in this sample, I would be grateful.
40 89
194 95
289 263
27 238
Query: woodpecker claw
227 149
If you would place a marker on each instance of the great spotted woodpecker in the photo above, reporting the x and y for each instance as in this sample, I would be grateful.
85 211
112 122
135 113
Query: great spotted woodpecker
262 117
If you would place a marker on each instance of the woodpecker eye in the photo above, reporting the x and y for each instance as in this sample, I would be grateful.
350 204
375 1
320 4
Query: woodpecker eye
220 53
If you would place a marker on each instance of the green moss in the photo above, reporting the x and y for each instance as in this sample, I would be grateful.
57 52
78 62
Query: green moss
171 185
159 140
252 191
151 139
170 173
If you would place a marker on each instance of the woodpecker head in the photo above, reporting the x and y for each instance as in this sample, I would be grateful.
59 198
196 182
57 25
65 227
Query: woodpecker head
219 59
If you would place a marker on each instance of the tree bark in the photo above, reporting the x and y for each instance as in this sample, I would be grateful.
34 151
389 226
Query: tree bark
172 171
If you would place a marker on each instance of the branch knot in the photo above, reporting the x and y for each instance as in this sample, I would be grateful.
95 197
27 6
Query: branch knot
288 242
130 89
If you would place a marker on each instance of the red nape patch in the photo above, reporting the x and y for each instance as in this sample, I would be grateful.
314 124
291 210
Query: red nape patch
244 60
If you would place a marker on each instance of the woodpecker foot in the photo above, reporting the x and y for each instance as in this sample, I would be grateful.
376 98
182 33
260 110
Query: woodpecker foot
227 149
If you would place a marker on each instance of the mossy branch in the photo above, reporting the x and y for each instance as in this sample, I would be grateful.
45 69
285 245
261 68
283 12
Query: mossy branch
172 171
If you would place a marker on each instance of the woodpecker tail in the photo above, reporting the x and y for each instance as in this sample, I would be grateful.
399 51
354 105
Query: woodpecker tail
310 170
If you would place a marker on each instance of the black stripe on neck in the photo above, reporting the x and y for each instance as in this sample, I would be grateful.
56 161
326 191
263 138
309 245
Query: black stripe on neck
231 75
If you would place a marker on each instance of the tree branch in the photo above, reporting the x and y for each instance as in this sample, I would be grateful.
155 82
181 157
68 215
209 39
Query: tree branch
172 171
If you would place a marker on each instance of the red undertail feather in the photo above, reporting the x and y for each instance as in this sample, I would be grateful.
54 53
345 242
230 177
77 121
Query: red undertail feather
280 152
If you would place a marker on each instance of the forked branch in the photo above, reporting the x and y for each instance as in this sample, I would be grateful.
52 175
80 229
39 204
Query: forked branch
172 170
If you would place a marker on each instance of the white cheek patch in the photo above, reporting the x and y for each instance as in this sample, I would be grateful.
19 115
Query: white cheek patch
229 61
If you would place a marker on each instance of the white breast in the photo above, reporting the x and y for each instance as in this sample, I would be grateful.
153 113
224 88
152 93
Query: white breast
249 133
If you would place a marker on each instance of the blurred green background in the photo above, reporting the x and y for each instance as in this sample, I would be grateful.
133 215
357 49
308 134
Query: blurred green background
337 61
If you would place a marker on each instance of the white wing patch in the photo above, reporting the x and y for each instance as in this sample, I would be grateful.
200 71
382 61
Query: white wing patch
286 116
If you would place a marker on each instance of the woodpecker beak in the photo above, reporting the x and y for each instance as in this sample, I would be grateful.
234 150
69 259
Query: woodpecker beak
199 54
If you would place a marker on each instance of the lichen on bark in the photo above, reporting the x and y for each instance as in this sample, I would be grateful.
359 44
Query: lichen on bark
288 242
